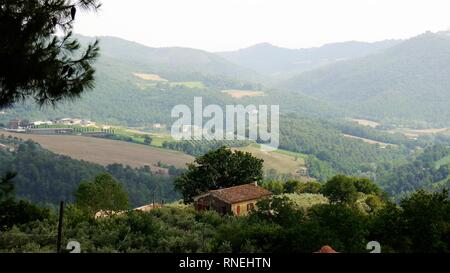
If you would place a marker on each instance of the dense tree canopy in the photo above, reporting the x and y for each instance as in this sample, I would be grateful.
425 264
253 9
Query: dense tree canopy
13 212
36 61
7 186
309 187
103 193
346 190
340 189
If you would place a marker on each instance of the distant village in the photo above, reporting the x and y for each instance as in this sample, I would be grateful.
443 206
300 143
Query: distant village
16 124
54 127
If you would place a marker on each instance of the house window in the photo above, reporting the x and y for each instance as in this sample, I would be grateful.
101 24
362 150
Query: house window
238 210
250 207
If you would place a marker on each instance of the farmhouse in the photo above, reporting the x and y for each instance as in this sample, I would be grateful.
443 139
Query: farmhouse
239 200
75 121
68 121
40 123
88 123
156 126
303 171
14 124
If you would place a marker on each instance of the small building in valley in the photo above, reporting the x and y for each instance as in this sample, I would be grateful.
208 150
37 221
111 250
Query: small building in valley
156 126
302 171
14 124
238 200
40 123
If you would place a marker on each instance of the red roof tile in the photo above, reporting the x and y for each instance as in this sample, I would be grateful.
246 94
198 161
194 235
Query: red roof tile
326 249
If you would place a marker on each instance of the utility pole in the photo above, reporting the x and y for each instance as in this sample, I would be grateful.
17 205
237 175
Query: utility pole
60 227
154 198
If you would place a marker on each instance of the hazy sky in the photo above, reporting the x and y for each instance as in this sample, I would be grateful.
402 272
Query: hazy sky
217 25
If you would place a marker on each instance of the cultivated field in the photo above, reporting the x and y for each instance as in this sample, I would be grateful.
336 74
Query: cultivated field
150 77
151 80
105 151
282 162
365 122
430 131
139 136
198 85
369 141
239 94
414 133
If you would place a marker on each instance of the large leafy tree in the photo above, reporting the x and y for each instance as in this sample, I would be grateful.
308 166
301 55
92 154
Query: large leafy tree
217 169
344 227
340 189
103 193
427 221
309 187
421 224
367 186
39 57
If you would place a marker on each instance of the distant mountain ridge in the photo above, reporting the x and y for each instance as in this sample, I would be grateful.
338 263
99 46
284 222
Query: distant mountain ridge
122 97
410 81
178 61
277 61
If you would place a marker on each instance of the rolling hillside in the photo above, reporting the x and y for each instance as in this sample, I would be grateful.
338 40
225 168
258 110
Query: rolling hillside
137 86
175 63
408 82
282 62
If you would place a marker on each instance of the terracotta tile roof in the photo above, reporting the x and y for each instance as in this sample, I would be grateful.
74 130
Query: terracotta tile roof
241 193
326 249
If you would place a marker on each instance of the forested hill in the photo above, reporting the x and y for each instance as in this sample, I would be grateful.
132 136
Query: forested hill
175 63
281 62
408 82
430 170
133 93
138 85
